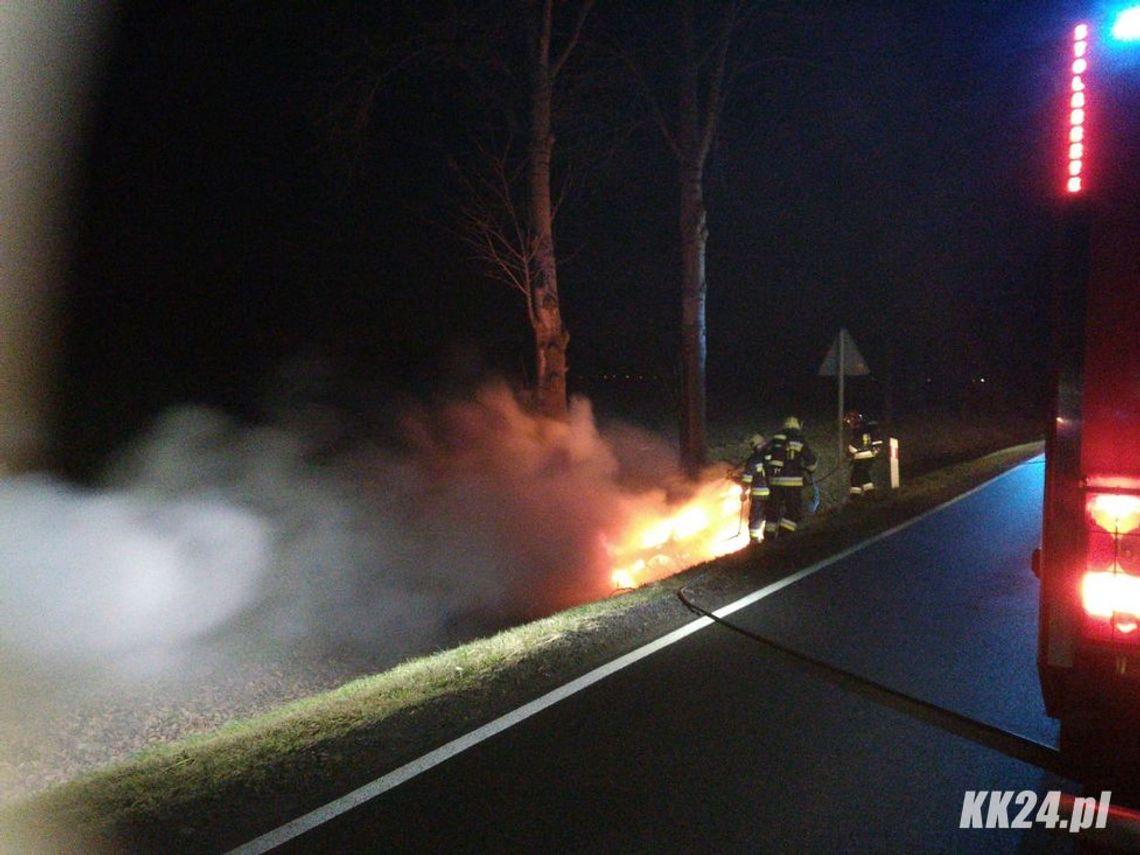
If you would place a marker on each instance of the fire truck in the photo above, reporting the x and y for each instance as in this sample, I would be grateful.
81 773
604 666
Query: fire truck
1089 560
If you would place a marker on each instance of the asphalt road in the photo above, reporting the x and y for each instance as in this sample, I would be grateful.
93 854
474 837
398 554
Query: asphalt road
716 744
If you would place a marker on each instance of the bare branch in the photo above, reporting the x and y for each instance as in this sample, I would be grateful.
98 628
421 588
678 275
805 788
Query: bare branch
747 68
714 106
492 223
563 190
654 104
583 13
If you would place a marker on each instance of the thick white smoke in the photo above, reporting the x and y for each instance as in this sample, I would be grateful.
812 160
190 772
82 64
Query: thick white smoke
220 536
225 555
120 579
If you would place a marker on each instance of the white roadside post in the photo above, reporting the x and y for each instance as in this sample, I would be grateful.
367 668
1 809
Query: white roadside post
894 446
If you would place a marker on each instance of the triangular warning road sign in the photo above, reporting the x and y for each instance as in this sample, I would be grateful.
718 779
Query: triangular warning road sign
853 362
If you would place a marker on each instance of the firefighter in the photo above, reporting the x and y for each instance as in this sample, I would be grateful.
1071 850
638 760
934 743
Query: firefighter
755 488
787 459
862 449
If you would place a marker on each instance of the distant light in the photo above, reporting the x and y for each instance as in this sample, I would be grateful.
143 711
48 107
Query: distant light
1078 99
1076 135
1074 167
1076 151
1077 117
1079 48
1074 185
1078 84
1081 32
1127 26
1080 66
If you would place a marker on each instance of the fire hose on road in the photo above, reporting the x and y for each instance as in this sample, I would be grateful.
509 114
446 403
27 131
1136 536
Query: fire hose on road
1122 830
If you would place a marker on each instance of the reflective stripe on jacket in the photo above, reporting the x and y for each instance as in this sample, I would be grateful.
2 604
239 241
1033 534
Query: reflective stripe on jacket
754 477
787 458
861 446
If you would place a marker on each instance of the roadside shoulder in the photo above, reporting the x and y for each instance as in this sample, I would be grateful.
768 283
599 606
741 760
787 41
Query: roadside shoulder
215 792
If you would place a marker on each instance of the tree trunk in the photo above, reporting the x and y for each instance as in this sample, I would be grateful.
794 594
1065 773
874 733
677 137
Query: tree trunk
694 237
692 149
550 336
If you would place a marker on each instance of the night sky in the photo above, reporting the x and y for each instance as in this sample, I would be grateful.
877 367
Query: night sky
893 174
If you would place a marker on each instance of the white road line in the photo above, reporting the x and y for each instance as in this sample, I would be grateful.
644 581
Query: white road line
330 811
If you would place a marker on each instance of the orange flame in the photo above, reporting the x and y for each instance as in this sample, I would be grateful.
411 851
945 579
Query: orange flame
658 542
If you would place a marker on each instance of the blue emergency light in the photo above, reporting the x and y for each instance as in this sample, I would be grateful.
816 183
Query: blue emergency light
1127 25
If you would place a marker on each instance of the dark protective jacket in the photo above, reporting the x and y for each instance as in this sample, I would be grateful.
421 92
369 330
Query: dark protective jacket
753 477
787 459
861 445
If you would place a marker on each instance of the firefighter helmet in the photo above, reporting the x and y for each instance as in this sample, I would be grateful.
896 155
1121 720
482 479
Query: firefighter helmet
852 418
756 440
791 423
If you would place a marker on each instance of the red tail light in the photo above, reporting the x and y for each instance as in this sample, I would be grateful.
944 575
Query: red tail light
1110 588
1117 513
1112 605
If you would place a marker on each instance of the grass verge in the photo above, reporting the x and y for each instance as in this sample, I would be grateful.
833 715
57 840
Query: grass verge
213 792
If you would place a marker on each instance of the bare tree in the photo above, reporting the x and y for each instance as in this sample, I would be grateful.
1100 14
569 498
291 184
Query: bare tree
550 335
508 210
509 207
702 71
493 219
698 119
703 82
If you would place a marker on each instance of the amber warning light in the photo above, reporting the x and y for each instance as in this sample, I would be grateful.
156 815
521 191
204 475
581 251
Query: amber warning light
1078 109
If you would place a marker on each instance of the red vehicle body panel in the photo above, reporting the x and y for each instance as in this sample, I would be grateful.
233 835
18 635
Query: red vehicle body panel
1093 438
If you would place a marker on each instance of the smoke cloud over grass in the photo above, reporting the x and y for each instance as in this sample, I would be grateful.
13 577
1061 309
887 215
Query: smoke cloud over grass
482 514
118 578
223 568
217 549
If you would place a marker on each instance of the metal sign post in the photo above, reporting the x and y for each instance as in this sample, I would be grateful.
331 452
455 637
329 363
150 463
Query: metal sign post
842 373
843 358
